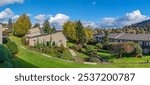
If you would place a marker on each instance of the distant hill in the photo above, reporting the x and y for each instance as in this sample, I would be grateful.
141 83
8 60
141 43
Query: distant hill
144 26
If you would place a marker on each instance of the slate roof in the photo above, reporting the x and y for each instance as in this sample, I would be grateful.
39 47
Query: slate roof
125 36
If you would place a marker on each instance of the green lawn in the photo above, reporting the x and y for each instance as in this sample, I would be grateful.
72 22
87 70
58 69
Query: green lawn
30 59
125 60
69 44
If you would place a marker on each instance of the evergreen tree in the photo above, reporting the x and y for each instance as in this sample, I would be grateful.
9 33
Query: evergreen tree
105 38
53 29
22 26
37 25
80 33
10 25
46 27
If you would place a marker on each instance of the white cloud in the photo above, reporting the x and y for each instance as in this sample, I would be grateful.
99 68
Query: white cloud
7 13
5 2
58 20
14 18
91 24
128 19
40 18
29 14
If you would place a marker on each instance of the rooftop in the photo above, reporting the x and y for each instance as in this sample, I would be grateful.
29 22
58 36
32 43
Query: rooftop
125 36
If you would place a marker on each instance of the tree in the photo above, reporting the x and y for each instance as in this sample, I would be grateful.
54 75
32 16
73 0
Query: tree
80 33
89 33
137 50
46 27
36 25
70 31
22 26
10 25
53 29
105 39
125 48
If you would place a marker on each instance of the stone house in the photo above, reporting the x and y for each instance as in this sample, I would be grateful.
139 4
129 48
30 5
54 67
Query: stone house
142 39
36 35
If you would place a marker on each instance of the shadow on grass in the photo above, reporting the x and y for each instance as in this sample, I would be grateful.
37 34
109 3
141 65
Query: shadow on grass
20 63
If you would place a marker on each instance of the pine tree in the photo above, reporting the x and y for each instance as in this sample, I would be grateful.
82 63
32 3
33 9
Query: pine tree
10 25
22 26
46 27
80 33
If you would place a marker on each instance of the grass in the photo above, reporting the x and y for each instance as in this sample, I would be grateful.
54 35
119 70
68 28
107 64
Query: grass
70 44
125 60
30 59
82 55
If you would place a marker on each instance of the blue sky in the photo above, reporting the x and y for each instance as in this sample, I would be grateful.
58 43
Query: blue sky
98 13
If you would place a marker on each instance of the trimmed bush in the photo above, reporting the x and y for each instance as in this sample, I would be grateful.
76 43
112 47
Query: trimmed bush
6 40
5 54
94 59
99 46
12 47
8 64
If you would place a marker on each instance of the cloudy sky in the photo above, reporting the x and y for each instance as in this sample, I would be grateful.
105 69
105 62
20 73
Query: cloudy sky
96 13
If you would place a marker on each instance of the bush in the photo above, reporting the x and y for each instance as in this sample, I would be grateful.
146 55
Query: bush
8 64
6 40
12 47
99 46
77 47
94 59
61 49
88 49
5 54
59 55
125 48
24 41
139 55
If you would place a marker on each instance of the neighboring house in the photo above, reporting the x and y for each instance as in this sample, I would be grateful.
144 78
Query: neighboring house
35 31
142 39
1 33
36 35
5 28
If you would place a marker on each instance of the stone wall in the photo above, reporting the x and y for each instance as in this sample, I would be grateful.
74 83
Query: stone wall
58 38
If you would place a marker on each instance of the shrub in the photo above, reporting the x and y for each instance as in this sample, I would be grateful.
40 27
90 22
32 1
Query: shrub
24 41
99 46
5 54
90 50
61 49
139 55
12 47
137 49
59 55
6 40
77 47
94 59
8 64
125 48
